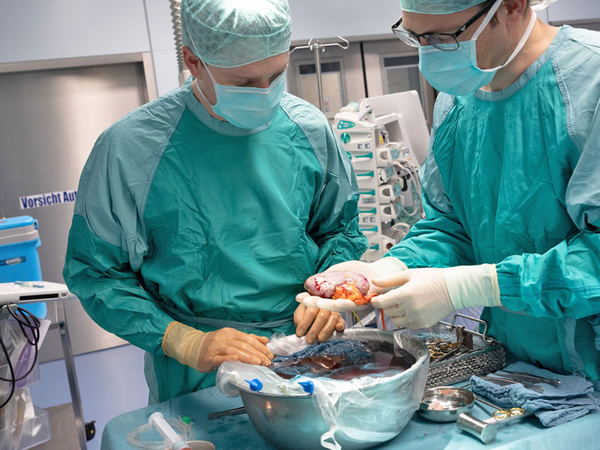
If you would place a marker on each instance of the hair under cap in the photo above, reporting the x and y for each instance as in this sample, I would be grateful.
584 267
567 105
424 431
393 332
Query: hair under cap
233 33
438 6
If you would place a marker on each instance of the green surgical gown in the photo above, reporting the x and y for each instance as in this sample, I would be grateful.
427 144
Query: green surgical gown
179 215
513 178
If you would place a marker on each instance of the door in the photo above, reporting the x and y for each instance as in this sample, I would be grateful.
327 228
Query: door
393 67
49 121
342 75
365 69
333 85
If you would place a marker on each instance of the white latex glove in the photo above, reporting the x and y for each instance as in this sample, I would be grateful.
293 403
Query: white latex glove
381 268
422 297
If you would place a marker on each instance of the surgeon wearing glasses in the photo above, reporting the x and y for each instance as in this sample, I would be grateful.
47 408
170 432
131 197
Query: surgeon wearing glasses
511 184
200 214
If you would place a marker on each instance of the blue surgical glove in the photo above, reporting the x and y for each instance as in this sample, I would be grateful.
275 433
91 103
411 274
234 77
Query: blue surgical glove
419 298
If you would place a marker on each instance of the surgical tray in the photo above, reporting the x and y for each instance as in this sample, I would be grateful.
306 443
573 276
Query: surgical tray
488 355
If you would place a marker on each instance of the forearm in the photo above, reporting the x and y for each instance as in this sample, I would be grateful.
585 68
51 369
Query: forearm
99 275
346 245
126 311
440 242
564 281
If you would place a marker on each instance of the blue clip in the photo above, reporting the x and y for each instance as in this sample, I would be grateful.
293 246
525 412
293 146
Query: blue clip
255 385
308 386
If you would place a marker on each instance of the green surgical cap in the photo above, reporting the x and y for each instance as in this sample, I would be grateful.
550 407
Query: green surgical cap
438 6
233 33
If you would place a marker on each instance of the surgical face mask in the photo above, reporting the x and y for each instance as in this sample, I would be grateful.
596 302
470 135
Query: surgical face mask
247 107
455 72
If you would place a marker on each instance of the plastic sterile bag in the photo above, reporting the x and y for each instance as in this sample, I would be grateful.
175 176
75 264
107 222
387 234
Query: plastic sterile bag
368 409
232 375
17 417
15 420
280 344
22 354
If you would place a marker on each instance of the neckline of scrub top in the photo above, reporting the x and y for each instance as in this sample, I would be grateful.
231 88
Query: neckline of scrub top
214 124
529 73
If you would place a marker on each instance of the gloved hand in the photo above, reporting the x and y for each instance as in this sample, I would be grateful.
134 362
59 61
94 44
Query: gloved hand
381 268
206 351
425 296
324 323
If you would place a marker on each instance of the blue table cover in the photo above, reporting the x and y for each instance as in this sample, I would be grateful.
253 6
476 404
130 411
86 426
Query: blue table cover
237 432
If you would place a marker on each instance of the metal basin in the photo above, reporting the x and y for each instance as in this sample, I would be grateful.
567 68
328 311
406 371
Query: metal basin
445 403
293 422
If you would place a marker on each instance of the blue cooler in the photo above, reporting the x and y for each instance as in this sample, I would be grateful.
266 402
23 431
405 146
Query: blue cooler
19 259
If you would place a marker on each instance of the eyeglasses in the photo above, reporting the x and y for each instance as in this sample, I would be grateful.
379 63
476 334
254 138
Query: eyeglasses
441 41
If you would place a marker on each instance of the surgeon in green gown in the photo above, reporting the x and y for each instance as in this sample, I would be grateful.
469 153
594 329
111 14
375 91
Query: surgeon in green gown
511 184
200 214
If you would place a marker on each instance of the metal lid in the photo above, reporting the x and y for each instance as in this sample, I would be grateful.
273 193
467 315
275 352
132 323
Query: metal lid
16 222
18 229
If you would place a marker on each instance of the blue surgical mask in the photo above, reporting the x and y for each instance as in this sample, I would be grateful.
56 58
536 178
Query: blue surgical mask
455 72
247 107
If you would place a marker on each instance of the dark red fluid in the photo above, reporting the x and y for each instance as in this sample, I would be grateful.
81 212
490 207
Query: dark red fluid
327 366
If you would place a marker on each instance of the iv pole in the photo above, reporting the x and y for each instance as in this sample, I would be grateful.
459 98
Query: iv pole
318 47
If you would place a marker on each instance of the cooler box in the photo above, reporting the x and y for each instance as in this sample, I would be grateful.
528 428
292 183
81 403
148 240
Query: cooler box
19 259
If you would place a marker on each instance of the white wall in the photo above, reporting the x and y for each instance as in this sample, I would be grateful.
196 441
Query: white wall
163 45
346 18
34 30
570 10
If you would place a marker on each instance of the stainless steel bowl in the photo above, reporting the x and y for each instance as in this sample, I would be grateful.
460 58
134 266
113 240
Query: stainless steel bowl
201 445
444 404
292 422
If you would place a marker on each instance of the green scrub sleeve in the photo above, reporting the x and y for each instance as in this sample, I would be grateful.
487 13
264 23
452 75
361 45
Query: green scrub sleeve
440 240
98 273
107 242
334 222
565 280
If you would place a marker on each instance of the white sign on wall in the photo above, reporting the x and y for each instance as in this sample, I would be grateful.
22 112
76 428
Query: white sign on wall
48 199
